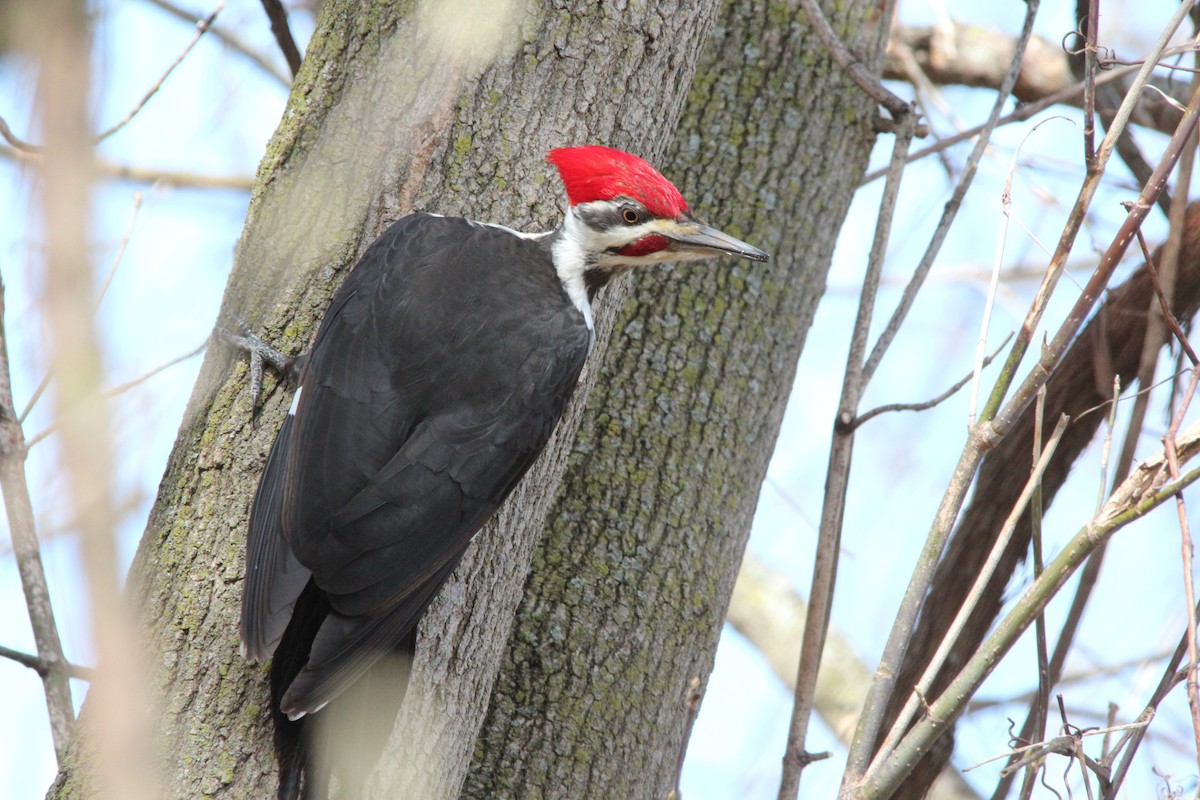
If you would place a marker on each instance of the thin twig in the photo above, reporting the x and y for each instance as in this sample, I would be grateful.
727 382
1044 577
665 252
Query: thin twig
1106 450
1049 745
858 73
123 387
230 39
1041 702
16 141
43 667
201 28
880 690
22 527
993 284
1165 305
1185 536
922 88
45 381
829 535
946 395
277 14
112 270
901 723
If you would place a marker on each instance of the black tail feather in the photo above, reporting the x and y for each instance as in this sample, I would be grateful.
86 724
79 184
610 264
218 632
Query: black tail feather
293 738
347 737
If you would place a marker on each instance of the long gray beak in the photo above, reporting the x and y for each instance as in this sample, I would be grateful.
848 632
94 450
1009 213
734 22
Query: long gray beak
694 236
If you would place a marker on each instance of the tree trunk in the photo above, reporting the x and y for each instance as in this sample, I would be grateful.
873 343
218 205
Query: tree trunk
396 110
632 577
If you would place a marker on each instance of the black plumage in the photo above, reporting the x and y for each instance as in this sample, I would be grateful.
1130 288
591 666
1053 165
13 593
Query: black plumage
411 426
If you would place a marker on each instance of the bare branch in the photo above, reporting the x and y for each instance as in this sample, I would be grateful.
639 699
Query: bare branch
201 28
838 472
129 172
946 395
1165 304
229 38
901 722
766 610
1142 492
895 105
43 667
19 509
283 34
122 388
881 688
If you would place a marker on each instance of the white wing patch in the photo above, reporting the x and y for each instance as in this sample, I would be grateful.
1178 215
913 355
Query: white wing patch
295 403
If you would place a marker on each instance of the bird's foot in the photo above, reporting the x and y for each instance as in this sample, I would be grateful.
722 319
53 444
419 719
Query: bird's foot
261 356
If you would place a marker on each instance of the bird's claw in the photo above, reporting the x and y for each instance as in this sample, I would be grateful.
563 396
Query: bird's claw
261 355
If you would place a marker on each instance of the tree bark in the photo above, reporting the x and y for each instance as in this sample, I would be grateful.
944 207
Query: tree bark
446 106
394 110
632 577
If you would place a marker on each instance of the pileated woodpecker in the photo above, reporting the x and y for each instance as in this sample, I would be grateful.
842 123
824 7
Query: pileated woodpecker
442 365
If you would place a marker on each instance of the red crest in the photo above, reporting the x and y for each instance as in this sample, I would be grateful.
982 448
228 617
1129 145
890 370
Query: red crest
601 173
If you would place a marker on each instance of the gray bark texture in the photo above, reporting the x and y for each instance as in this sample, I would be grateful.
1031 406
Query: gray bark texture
632 577
450 107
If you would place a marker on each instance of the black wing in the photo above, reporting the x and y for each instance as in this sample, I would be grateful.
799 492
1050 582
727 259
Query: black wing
445 361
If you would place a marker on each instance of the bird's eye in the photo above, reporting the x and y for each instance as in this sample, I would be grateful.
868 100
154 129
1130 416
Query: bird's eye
631 216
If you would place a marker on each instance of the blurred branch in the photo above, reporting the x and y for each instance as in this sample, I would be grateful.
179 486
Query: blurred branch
124 387
277 14
123 752
967 55
201 28
110 169
43 667
230 39
19 509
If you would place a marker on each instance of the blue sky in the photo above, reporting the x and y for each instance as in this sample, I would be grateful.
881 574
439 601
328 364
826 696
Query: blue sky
214 116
